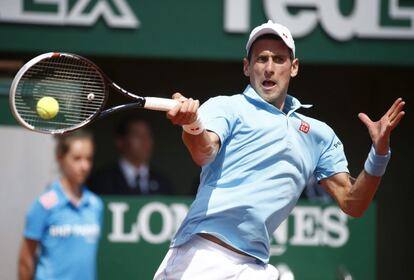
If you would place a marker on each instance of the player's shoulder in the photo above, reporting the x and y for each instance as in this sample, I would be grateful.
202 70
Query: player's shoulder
226 104
224 100
318 127
317 123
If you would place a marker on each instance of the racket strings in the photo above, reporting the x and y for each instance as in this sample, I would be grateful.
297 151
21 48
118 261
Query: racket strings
77 86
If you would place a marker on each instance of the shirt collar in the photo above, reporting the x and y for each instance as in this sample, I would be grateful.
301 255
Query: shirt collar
85 198
291 103
131 172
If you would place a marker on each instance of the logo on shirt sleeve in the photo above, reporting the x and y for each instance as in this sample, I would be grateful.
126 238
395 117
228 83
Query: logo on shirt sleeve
49 199
337 144
304 127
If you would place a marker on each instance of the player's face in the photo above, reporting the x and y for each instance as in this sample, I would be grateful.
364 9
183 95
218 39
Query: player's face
77 162
270 69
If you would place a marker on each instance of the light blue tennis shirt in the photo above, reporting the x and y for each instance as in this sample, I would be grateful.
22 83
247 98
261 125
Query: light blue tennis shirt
265 159
68 235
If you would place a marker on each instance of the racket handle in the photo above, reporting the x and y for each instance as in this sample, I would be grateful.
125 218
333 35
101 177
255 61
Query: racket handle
159 104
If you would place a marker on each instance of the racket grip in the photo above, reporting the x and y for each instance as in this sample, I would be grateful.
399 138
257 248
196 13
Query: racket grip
159 104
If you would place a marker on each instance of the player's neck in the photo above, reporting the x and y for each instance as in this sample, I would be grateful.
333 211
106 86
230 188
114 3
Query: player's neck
280 102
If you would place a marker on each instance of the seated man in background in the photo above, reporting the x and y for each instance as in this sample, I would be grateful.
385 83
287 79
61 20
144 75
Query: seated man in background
132 174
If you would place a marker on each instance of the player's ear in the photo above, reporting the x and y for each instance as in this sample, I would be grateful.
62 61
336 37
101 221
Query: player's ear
246 68
294 68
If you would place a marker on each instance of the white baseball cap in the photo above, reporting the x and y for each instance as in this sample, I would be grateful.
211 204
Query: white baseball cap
271 27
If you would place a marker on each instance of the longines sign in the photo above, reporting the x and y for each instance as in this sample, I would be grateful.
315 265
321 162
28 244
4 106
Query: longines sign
211 29
314 240
311 226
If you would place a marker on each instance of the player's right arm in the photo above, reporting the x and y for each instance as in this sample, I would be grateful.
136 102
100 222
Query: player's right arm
27 259
202 147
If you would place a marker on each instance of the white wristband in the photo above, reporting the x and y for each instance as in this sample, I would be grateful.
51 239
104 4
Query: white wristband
194 128
375 165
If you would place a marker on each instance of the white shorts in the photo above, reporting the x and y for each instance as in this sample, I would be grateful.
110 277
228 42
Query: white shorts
201 259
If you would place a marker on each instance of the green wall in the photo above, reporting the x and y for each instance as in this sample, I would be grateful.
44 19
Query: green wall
188 29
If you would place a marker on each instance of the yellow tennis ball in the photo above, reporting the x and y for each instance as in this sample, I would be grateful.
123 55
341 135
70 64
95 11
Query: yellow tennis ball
47 107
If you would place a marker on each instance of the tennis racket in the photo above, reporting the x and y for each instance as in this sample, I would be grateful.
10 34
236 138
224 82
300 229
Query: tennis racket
80 88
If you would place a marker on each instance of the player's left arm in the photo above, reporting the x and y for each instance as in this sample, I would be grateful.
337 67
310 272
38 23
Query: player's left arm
354 195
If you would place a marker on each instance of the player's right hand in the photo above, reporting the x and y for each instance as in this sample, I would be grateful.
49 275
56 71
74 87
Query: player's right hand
185 112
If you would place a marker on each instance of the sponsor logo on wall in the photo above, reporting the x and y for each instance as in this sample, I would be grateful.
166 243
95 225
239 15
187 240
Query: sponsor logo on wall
117 14
364 21
306 226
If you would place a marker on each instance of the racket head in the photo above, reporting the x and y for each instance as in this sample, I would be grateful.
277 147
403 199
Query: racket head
77 84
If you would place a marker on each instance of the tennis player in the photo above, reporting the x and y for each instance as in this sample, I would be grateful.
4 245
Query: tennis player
257 152
63 225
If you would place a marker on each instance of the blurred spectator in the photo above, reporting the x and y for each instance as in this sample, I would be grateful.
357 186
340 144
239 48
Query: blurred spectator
64 224
132 174
314 192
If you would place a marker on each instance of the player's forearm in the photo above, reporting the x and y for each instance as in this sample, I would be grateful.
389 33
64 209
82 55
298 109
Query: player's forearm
360 194
363 189
201 147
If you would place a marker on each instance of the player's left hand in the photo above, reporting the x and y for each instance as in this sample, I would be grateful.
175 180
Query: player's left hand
380 130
